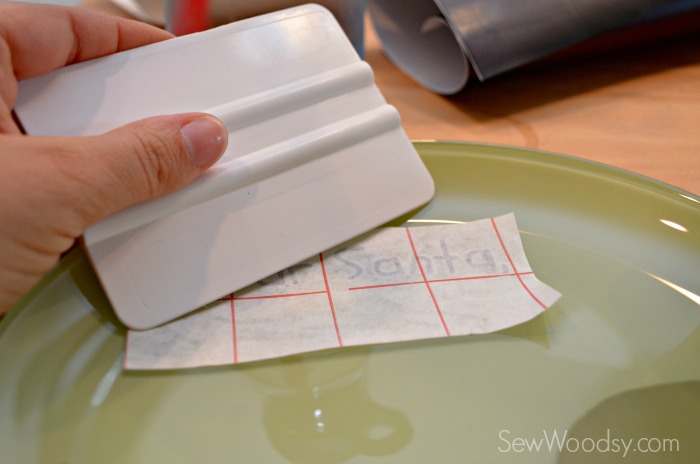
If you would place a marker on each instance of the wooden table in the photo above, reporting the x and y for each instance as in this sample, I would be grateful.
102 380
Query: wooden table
629 100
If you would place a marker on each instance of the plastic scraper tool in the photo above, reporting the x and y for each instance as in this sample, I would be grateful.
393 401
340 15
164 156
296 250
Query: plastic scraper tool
316 156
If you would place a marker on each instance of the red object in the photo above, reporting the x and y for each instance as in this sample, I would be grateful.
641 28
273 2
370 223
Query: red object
190 16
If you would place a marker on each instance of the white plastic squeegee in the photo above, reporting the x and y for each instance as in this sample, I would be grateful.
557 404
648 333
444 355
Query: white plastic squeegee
315 157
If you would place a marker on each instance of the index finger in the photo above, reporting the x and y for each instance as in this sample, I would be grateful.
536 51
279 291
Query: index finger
42 38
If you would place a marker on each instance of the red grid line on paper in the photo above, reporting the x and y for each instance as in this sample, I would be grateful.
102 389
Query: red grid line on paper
427 284
512 265
433 281
232 298
330 299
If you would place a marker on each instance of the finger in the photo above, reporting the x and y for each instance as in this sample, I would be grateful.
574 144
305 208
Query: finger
69 183
8 90
76 181
42 38
145 160
36 39
54 188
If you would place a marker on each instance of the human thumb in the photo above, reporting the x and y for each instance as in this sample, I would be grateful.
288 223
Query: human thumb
147 159
53 188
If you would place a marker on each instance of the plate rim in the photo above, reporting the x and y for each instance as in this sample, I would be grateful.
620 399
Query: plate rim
620 174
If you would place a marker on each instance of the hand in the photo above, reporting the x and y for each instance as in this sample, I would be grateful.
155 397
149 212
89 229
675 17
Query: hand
53 188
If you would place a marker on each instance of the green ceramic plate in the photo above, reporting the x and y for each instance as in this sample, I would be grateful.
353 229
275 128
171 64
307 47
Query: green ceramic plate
615 362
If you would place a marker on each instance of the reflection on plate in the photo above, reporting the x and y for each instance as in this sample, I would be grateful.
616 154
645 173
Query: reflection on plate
623 250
